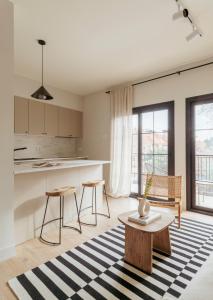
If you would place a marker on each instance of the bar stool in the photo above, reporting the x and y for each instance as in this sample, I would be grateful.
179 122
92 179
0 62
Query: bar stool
93 184
59 192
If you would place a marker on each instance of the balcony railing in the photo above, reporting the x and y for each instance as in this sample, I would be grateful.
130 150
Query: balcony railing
204 175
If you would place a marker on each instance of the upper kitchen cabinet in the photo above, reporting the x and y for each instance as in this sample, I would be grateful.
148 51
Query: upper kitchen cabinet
70 122
64 123
51 119
76 123
21 115
36 117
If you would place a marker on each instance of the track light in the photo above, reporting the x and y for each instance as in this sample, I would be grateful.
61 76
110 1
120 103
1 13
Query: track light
183 12
193 34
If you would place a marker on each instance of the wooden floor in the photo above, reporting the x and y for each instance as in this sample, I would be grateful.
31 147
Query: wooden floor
32 253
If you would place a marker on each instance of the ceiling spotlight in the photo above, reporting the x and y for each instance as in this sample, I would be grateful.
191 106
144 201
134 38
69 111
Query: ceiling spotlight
193 34
180 13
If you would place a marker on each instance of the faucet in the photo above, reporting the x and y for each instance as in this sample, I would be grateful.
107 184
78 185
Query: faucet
22 148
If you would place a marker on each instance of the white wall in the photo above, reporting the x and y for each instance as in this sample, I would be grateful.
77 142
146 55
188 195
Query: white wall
24 87
6 131
177 88
96 128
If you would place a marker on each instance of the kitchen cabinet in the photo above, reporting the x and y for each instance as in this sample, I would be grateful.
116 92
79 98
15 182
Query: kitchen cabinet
21 115
70 122
64 122
36 117
76 123
51 120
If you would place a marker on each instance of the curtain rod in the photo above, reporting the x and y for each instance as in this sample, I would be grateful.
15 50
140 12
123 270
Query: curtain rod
170 74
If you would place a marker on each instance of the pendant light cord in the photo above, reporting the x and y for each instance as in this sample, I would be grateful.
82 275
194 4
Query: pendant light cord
42 68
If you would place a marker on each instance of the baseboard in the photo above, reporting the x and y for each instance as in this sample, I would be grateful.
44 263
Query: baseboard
7 253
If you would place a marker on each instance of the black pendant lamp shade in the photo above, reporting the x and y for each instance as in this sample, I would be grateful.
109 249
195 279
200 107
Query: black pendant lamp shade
42 93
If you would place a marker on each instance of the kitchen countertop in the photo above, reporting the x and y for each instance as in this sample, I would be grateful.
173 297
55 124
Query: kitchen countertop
25 160
27 167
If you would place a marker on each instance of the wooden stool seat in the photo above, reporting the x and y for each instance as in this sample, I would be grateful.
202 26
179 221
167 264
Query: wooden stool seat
93 183
61 191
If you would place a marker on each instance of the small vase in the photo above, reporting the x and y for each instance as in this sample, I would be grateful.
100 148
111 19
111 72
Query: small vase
143 207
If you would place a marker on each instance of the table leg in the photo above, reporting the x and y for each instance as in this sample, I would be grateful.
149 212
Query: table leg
161 241
138 249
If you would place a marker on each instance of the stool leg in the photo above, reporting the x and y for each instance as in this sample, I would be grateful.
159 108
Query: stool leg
80 209
60 218
92 200
96 215
42 226
62 211
106 201
62 215
82 196
45 223
77 212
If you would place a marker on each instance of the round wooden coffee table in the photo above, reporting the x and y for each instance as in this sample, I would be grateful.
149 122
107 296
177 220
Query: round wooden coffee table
140 240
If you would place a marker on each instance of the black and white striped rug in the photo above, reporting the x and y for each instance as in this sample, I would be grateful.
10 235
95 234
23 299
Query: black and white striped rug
96 270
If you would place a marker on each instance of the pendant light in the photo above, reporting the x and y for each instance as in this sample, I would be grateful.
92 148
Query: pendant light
42 93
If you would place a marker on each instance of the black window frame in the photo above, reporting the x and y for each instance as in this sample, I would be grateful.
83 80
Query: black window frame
170 105
190 154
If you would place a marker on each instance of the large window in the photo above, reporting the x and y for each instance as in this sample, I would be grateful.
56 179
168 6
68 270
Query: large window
153 143
200 153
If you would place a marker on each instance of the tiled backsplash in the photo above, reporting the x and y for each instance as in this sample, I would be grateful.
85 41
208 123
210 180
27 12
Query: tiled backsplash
44 146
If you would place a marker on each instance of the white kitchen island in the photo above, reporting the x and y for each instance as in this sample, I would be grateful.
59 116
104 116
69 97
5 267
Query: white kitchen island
32 182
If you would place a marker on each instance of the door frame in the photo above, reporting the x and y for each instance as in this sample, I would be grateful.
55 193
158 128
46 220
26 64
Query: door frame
170 105
190 149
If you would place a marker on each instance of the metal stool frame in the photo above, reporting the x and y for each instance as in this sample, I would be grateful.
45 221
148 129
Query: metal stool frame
61 221
94 206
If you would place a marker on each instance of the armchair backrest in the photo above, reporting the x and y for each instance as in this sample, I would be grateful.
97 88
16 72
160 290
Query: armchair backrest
165 186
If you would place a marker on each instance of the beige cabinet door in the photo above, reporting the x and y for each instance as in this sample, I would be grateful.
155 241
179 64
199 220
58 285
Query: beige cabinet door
76 123
64 122
36 117
21 115
51 120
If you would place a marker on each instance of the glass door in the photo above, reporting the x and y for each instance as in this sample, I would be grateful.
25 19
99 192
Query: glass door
153 143
200 154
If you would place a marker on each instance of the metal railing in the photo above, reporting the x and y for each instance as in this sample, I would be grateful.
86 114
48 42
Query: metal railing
204 174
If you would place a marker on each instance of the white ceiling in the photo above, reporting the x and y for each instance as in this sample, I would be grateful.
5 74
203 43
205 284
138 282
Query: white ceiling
96 44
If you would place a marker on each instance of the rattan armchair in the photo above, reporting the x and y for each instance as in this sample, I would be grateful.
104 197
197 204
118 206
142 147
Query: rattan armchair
167 191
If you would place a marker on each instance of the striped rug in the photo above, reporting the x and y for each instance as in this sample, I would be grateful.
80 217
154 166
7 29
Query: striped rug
96 270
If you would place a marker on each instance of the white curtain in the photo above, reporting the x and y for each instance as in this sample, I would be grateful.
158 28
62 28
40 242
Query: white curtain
121 102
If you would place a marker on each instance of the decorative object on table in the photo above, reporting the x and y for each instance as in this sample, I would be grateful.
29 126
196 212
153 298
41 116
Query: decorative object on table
151 217
143 206
42 93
